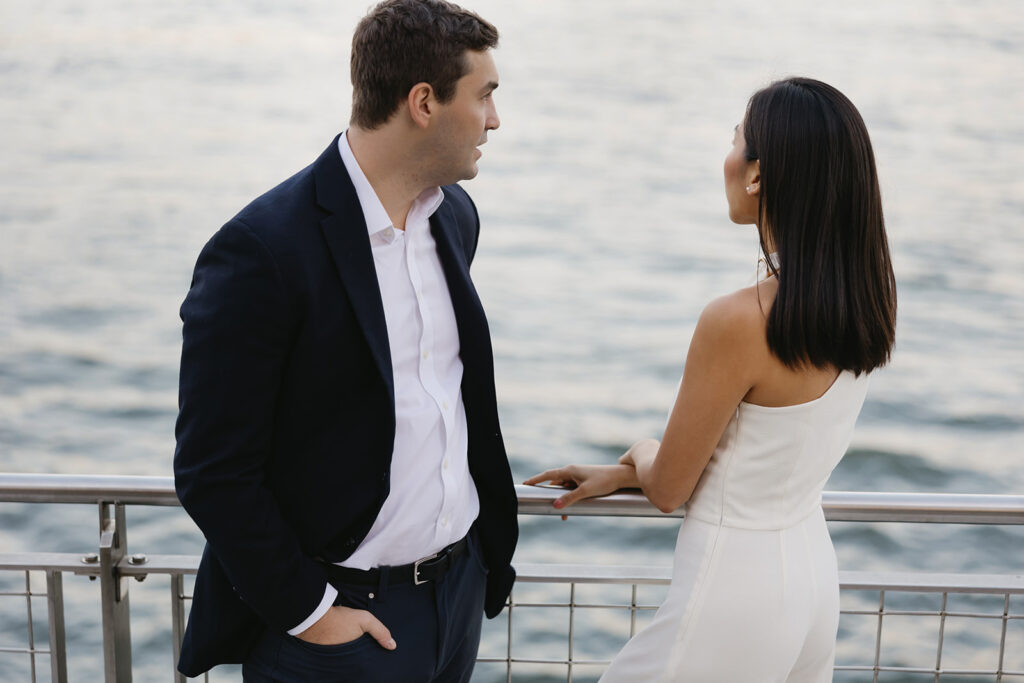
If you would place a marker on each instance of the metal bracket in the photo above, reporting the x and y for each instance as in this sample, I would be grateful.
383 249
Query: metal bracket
117 646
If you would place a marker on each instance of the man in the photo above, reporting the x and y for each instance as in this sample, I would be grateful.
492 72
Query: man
338 438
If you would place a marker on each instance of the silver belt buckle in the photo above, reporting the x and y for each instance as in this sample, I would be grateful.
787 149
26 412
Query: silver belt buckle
416 569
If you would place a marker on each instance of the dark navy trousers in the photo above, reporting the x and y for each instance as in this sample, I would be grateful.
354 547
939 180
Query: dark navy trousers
436 626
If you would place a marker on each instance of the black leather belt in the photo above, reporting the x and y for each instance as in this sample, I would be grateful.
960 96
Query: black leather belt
426 569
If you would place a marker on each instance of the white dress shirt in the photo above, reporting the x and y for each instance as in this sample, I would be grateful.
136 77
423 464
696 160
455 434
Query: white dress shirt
433 501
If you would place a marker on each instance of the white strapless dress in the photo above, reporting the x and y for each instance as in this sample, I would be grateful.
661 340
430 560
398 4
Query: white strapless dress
755 590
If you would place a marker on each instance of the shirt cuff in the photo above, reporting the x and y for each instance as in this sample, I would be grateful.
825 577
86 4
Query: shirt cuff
330 593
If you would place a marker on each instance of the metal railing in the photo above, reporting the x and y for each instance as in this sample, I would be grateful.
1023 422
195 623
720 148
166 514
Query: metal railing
114 568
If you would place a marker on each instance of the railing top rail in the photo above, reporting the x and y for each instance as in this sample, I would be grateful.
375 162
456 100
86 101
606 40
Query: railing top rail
846 506
850 506
963 508
87 488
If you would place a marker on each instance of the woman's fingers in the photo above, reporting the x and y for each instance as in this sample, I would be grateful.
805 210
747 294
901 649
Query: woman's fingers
578 493
540 478
568 477
558 477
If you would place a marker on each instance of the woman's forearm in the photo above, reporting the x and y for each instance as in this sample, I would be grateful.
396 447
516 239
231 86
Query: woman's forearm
661 493
627 477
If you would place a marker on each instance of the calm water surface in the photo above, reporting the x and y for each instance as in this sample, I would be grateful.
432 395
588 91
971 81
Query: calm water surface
132 131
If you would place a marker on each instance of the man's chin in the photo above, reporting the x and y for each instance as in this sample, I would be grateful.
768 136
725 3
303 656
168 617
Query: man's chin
467 173
470 172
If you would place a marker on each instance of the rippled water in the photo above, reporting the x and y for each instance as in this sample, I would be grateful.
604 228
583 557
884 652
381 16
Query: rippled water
131 131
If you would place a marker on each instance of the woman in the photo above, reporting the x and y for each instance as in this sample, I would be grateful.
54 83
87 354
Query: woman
774 380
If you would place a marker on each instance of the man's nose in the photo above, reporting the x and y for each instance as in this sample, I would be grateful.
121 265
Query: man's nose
492 120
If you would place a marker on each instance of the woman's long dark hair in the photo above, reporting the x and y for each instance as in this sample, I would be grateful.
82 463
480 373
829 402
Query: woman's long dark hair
821 210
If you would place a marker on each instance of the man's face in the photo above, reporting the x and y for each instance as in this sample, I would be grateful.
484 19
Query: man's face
464 120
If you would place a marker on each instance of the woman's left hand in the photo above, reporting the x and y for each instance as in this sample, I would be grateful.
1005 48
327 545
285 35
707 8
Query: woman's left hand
646 448
586 481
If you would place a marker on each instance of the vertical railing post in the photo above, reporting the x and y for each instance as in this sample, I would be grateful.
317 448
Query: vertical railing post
878 634
177 621
632 613
1002 639
508 643
117 635
58 642
572 624
31 625
942 632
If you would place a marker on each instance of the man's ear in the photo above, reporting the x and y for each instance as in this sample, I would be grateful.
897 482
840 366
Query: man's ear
754 177
421 102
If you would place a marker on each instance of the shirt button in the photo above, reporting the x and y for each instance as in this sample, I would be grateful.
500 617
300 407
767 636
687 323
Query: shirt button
444 464
425 354
444 404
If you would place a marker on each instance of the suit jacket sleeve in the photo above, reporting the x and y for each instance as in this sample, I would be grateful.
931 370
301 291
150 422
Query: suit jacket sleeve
236 334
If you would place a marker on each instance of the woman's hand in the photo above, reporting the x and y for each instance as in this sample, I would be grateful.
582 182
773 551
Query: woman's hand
587 481
645 448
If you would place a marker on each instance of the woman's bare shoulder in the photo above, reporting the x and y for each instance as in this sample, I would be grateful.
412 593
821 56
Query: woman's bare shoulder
729 349
742 311
730 337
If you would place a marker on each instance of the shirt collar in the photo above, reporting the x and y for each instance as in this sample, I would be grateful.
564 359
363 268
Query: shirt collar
377 219
373 211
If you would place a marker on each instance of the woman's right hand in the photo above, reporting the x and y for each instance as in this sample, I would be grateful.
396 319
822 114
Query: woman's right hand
586 481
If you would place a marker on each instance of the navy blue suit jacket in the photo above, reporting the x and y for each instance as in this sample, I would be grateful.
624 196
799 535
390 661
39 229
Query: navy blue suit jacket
287 419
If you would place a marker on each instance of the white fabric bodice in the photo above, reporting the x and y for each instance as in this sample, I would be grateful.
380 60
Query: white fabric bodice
771 464
755 583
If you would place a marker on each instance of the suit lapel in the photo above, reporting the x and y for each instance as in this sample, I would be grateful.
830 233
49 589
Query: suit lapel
465 302
349 243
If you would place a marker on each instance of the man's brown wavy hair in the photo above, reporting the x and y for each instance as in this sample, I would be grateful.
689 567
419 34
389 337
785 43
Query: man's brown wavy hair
404 42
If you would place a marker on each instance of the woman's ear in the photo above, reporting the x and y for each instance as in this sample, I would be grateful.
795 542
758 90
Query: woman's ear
754 177
421 104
